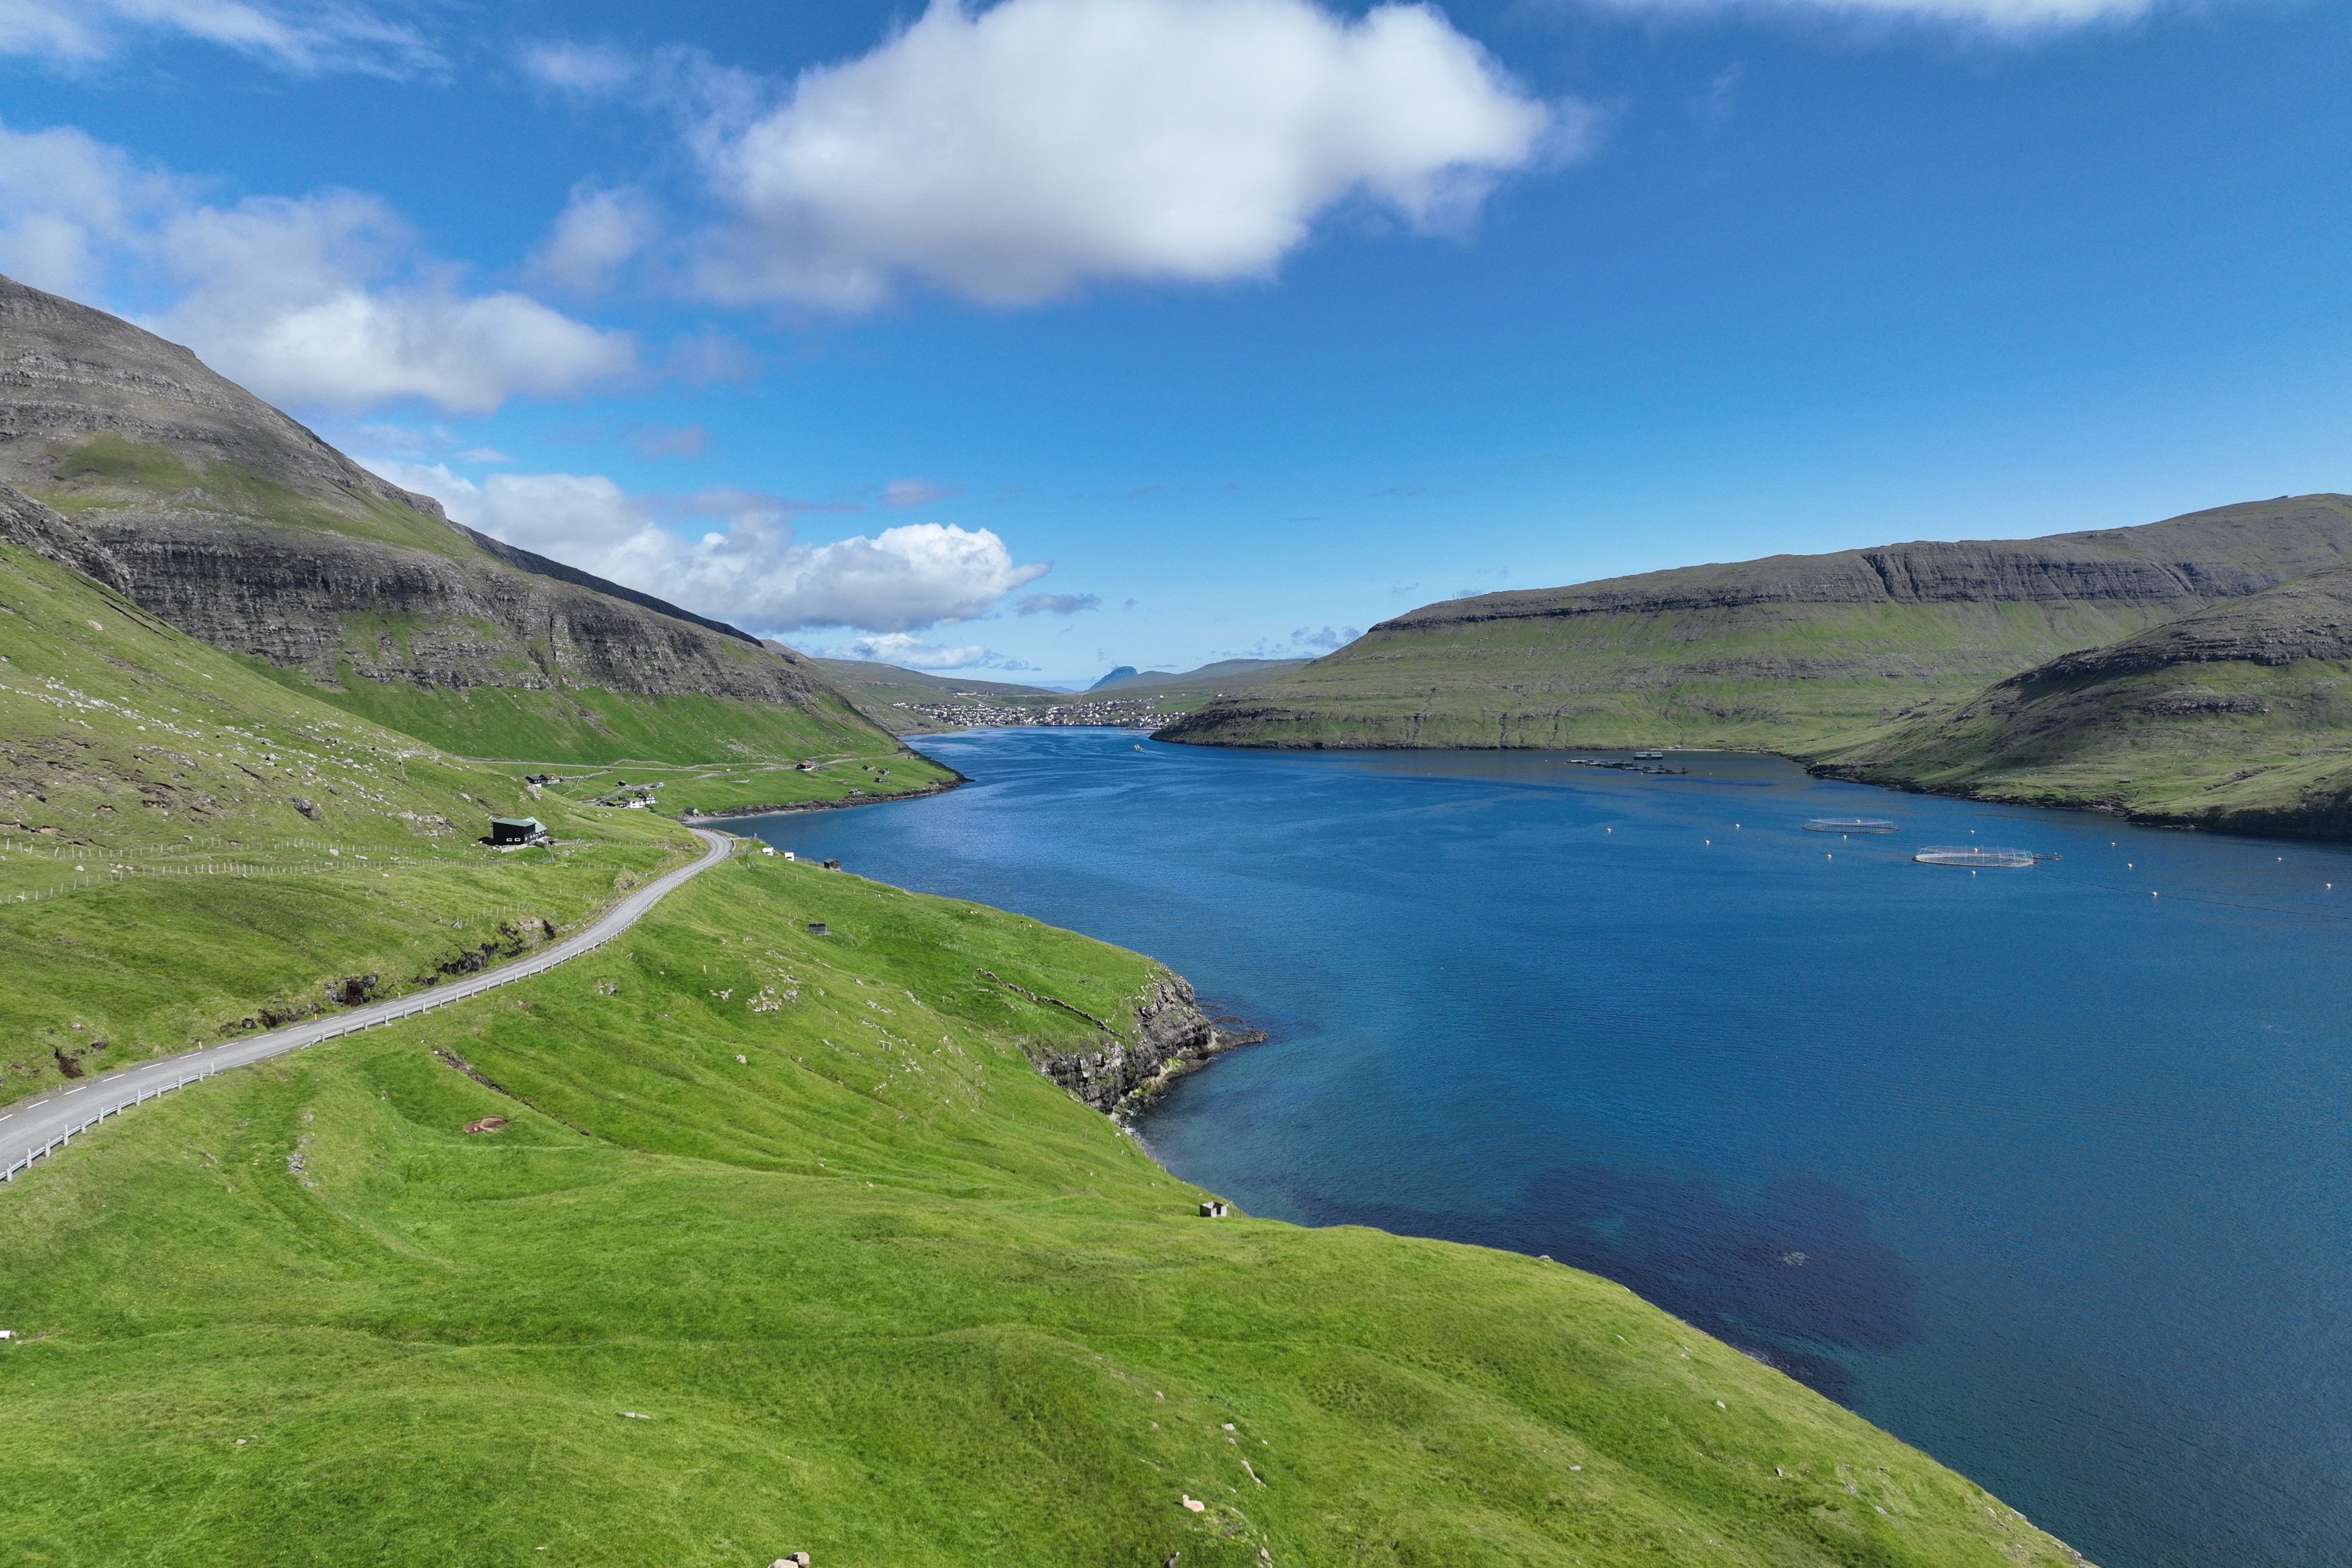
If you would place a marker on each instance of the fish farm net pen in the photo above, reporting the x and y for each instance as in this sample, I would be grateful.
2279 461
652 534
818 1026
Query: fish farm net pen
1970 856
1850 824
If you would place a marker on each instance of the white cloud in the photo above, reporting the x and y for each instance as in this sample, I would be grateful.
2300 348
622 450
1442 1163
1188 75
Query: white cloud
1012 154
597 231
67 202
585 70
913 653
304 39
323 301
1058 604
750 568
2013 16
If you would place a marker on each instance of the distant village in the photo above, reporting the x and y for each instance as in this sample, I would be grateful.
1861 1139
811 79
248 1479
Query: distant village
1128 714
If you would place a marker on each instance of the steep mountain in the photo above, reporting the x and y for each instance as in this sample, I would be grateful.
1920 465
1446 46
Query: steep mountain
1790 653
235 523
2236 716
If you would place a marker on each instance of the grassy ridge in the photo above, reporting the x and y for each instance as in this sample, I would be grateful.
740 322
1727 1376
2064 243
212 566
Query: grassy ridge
1776 677
884 1293
2233 745
108 470
590 725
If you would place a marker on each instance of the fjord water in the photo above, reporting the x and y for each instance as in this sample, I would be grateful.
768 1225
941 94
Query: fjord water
2047 1171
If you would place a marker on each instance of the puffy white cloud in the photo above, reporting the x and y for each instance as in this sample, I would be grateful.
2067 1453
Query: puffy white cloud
67 204
750 568
597 231
321 300
1013 153
304 40
2013 16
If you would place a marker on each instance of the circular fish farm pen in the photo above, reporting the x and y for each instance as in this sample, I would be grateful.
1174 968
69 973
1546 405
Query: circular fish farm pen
1850 824
1973 858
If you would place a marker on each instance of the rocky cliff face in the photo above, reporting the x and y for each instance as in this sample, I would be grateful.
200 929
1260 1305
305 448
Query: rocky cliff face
2225 553
43 530
2310 617
220 514
1173 1037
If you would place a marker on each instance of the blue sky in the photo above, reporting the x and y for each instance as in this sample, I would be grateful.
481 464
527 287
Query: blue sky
1072 332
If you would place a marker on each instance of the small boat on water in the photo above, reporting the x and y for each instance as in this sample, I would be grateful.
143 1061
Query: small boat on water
1649 756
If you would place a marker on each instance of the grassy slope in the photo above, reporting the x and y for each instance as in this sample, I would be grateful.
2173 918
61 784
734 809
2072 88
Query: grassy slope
708 741
2234 745
885 1294
529 723
1626 680
110 470
182 887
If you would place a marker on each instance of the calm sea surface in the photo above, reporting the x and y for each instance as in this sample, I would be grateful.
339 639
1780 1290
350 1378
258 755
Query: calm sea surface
2049 1176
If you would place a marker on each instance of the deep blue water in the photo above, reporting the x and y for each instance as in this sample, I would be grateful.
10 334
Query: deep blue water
2049 1176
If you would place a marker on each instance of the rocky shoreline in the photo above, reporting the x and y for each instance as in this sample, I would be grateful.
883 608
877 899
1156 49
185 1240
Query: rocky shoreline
1121 1076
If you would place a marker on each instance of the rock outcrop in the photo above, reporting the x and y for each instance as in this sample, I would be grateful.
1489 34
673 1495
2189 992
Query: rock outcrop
1172 1036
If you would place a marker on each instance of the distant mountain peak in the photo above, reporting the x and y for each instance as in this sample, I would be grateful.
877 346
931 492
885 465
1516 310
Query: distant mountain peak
1124 672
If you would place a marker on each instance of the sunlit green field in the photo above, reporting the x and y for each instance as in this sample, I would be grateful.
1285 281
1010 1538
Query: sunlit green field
786 1245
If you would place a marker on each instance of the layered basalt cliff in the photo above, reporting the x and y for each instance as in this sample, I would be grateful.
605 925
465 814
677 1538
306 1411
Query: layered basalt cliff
1172 1035
221 516
2222 553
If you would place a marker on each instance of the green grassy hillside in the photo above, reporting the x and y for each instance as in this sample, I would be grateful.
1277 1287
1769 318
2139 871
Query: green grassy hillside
787 1245
707 740
186 844
1789 676
1792 653
2237 718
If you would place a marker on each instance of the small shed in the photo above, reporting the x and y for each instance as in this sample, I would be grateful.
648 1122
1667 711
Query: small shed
507 831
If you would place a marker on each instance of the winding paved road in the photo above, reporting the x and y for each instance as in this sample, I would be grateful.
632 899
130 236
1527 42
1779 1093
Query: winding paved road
34 1127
